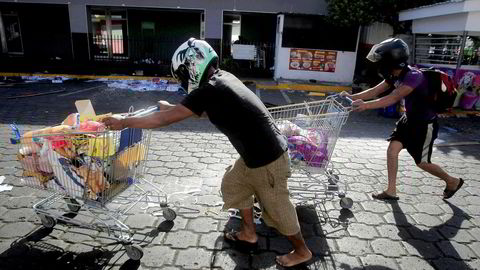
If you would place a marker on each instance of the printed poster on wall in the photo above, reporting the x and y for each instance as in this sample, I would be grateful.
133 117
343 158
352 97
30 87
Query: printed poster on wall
313 60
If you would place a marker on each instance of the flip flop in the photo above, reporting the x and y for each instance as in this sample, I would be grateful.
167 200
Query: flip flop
384 197
298 265
241 245
449 193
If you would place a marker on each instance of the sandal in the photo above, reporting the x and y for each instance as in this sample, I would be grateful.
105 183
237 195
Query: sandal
447 194
385 197
300 265
241 245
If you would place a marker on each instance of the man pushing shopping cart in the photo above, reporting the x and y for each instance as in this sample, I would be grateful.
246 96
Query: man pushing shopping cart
263 167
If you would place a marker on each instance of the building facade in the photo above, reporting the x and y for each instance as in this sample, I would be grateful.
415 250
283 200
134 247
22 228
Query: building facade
143 34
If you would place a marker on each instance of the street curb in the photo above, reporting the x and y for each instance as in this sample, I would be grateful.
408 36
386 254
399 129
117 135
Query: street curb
258 84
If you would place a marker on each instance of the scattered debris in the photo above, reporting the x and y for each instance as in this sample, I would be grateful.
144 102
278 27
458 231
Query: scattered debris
145 85
4 187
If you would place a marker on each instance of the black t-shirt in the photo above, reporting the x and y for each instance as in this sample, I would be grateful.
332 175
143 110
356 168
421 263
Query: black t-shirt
241 116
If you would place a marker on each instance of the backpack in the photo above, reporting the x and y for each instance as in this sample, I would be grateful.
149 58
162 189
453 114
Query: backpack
442 89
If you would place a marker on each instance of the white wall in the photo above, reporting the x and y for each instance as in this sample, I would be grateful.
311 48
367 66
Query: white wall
439 24
343 72
345 65
473 21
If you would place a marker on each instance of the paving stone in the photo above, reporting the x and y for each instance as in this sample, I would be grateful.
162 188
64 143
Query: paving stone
476 248
404 208
393 232
20 214
421 248
399 219
157 256
210 200
429 208
14 230
360 187
158 171
424 233
213 240
362 231
230 259
473 199
456 234
449 263
79 248
203 224
141 221
408 263
346 262
75 237
376 207
387 247
194 258
426 220
20 202
353 246
368 218
456 250
372 262
474 264
182 172
181 239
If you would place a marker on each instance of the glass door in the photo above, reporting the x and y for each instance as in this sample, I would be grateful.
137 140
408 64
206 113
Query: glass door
10 33
109 29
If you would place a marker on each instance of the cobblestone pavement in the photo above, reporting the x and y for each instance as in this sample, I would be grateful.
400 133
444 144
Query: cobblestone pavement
187 161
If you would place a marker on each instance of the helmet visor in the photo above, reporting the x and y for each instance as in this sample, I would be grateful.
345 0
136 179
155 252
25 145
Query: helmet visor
182 76
373 55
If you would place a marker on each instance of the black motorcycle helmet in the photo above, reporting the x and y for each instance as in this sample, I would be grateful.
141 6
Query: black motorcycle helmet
389 55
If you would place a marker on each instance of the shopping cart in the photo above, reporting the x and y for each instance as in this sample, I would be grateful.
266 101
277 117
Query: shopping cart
95 179
312 129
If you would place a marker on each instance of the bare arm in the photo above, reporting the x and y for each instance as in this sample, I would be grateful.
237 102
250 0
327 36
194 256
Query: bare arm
372 92
154 120
394 97
158 119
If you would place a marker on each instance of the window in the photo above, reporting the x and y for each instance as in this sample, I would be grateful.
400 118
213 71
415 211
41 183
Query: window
109 29
445 49
315 32
10 33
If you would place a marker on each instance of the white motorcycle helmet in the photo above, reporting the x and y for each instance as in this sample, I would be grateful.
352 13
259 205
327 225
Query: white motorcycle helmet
191 61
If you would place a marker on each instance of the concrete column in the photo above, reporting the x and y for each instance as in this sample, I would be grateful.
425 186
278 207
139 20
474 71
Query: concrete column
214 28
79 27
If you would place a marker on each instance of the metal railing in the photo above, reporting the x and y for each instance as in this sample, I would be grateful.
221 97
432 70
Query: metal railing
139 50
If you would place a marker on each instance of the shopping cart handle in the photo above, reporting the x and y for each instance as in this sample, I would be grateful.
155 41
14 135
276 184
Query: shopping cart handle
144 112
349 100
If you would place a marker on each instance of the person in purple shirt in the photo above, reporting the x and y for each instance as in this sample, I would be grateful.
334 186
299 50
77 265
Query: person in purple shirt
417 129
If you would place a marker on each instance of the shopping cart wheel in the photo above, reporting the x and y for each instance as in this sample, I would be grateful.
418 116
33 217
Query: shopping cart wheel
47 221
169 214
346 203
72 205
134 252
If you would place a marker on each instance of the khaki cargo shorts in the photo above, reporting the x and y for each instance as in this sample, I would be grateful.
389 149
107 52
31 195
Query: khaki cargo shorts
269 185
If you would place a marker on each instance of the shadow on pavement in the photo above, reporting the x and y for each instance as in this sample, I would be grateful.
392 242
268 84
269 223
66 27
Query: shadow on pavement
272 244
30 252
33 252
425 248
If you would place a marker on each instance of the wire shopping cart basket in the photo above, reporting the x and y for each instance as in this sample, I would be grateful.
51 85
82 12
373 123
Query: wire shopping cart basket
95 178
312 129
